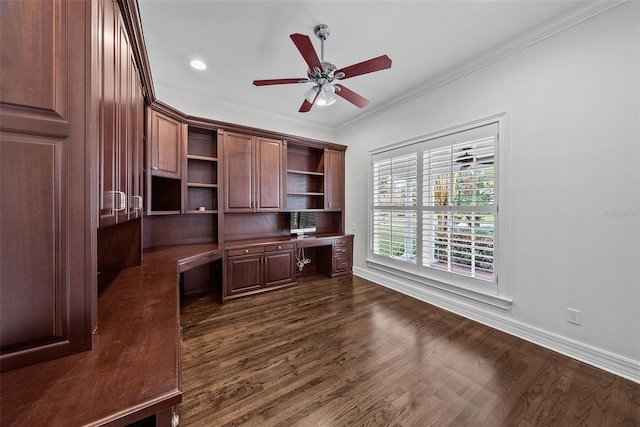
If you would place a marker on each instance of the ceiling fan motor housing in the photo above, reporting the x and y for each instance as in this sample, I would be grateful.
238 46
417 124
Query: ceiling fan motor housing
322 31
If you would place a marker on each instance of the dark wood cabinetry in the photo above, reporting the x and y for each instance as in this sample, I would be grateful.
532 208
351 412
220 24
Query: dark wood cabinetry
49 209
333 180
165 145
164 163
121 117
337 259
253 173
201 171
254 269
315 178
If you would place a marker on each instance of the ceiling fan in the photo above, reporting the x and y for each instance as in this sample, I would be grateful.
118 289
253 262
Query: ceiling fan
323 73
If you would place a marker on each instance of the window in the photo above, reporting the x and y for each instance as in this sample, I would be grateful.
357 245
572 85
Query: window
395 207
434 209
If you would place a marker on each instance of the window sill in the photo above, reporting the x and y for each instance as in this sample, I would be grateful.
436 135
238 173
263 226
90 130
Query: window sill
486 298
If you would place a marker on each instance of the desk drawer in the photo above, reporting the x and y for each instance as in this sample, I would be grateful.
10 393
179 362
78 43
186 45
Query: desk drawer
343 241
278 247
245 251
342 263
340 250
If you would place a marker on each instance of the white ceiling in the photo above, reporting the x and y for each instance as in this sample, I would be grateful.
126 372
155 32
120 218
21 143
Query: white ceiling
429 42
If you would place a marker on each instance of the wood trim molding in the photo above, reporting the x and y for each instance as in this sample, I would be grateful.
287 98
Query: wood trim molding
205 123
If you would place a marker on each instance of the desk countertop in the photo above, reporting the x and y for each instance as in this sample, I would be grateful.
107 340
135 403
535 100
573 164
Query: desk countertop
133 370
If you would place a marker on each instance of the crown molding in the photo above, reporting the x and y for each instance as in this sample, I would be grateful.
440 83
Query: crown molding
482 60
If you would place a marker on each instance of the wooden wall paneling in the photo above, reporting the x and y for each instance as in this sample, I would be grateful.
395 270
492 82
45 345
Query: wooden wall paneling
165 230
256 225
120 246
48 213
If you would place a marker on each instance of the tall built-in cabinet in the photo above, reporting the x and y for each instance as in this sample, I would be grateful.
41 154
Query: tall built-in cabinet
49 209
121 121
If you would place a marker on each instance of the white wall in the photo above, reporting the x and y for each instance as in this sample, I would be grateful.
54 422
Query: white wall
574 106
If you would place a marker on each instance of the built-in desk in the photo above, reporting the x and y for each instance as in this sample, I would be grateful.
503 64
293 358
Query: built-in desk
259 265
134 369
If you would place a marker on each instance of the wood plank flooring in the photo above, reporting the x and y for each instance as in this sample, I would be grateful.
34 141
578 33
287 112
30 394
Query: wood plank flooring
348 352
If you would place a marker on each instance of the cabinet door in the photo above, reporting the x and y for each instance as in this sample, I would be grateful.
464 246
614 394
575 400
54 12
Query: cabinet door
243 274
124 141
269 175
279 268
333 180
48 214
238 172
134 202
108 183
165 146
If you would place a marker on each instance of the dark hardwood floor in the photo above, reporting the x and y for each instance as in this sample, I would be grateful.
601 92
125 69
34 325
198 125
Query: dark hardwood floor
347 352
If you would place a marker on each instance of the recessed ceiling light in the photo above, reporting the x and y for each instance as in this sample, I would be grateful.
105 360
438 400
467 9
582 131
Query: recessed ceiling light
198 65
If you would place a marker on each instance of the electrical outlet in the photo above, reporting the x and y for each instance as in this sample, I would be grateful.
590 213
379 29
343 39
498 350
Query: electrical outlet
353 227
573 316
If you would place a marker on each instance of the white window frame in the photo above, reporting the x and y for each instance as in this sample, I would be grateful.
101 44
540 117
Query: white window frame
496 293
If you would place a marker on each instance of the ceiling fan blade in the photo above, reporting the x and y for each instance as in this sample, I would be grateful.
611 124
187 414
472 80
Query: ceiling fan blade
352 97
306 105
375 64
303 43
278 82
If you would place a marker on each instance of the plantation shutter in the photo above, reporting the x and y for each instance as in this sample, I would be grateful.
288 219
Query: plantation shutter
458 202
395 219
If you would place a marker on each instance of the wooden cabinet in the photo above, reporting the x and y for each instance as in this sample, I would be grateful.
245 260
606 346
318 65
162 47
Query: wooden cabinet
279 264
337 259
121 118
253 173
165 145
333 180
254 269
244 270
48 177
164 163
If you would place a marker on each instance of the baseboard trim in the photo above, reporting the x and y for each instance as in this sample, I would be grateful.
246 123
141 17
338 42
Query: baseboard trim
607 361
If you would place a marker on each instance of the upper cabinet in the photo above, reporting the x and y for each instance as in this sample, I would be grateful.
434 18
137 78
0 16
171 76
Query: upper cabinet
165 147
121 110
253 173
165 137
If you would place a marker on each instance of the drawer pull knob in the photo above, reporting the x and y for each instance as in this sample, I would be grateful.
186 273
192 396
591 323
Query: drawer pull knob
246 251
279 247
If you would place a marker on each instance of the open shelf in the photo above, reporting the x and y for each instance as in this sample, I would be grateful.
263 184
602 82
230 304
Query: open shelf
304 193
165 196
201 185
202 172
301 172
203 158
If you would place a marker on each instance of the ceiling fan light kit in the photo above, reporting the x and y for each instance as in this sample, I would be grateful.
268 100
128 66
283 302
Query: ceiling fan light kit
323 73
